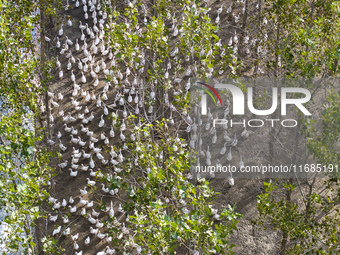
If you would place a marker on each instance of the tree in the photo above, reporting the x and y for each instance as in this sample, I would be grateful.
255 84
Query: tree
308 49
146 55
23 164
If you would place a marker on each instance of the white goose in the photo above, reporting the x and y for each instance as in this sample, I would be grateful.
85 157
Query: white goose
104 96
58 63
91 146
99 156
102 122
224 149
74 166
94 213
75 246
69 22
81 26
87 97
63 165
87 240
83 201
112 133
234 142
92 220
86 110
73 173
111 212
82 37
229 155
71 200
101 236
75 237
83 211
99 224
55 104
80 64
67 231
91 183
120 156
245 133
92 174
99 102
68 41
92 165
83 78
93 74
56 231
90 204
58 43
241 162
61 31
77 47
62 51
53 218
103 64
93 231
96 82
122 136
83 129
110 251
57 205
83 192
84 168
94 50
81 115
231 180
60 96
112 191
86 155
120 208
106 141
66 219
76 86
106 190
81 143
73 209
74 140
73 77
70 118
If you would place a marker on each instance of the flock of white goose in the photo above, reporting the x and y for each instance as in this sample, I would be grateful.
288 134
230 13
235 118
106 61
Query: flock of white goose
90 91
94 61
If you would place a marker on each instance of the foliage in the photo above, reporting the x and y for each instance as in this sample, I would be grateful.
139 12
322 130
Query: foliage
141 36
311 230
23 171
23 165
165 211
303 41
325 146
49 245
165 43
304 36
